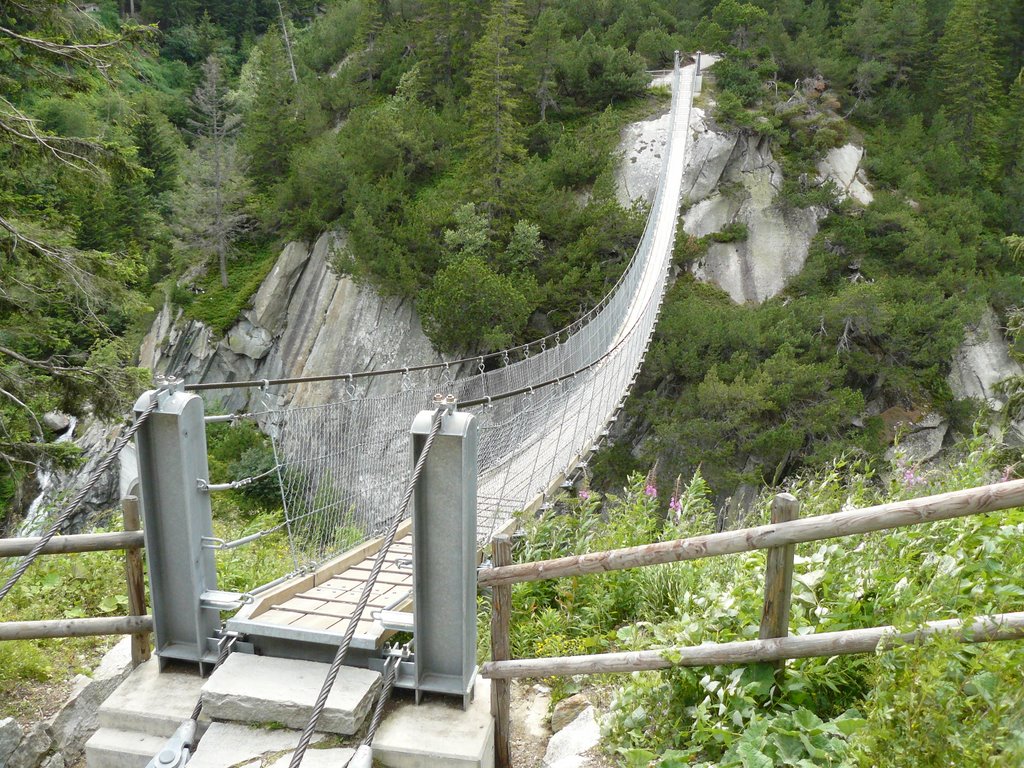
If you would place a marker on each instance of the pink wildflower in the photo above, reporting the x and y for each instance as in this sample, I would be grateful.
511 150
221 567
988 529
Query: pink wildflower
674 504
584 494
650 490
912 479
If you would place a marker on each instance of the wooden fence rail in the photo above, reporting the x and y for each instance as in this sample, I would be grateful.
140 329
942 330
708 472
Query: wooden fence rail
137 623
1004 626
946 506
103 625
773 645
82 542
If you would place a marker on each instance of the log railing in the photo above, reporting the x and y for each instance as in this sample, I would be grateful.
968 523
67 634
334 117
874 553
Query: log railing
137 623
774 645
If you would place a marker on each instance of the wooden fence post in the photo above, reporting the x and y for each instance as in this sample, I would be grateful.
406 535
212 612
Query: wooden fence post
501 609
136 583
778 578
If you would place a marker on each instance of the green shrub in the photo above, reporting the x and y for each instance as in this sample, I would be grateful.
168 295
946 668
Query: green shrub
219 307
731 233
943 703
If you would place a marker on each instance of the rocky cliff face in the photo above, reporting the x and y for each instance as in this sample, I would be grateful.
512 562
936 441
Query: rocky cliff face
732 180
755 267
305 320
981 362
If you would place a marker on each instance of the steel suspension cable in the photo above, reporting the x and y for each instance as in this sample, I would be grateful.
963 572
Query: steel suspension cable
364 598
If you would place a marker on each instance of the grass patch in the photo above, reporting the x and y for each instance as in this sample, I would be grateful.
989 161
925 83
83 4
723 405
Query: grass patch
219 307
36 675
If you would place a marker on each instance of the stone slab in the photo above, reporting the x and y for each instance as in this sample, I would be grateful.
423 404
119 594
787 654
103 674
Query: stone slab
152 702
264 689
226 745
116 748
438 734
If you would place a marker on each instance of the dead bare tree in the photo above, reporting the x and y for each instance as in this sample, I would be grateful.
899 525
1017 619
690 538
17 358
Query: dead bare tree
208 208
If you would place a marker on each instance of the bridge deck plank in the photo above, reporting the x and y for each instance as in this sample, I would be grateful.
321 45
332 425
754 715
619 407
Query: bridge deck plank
329 600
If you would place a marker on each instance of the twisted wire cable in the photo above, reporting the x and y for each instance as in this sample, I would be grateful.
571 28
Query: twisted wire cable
390 672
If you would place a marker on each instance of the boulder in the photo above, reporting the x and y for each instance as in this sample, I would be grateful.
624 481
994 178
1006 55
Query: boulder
982 361
77 720
567 710
249 340
33 747
56 422
567 747
10 738
922 440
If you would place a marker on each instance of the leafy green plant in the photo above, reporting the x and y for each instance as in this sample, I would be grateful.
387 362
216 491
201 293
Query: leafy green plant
841 711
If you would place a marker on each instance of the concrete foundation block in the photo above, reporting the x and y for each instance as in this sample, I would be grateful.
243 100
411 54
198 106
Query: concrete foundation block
264 689
438 734
153 702
229 745
116 748
336 757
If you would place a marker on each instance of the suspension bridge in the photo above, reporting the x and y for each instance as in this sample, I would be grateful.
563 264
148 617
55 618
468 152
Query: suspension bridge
386 537
541 409
507 431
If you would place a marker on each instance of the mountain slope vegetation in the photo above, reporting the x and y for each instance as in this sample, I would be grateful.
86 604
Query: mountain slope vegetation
470 145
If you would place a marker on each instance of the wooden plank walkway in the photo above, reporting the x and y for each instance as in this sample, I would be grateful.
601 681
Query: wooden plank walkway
321 603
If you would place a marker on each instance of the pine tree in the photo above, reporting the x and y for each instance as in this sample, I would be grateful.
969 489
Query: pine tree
372 19
159 147
968 71
274 121
907 42
448 27
1013 163
495 135
544 47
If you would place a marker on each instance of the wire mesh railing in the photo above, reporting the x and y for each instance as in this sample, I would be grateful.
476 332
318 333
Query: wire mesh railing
342 466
